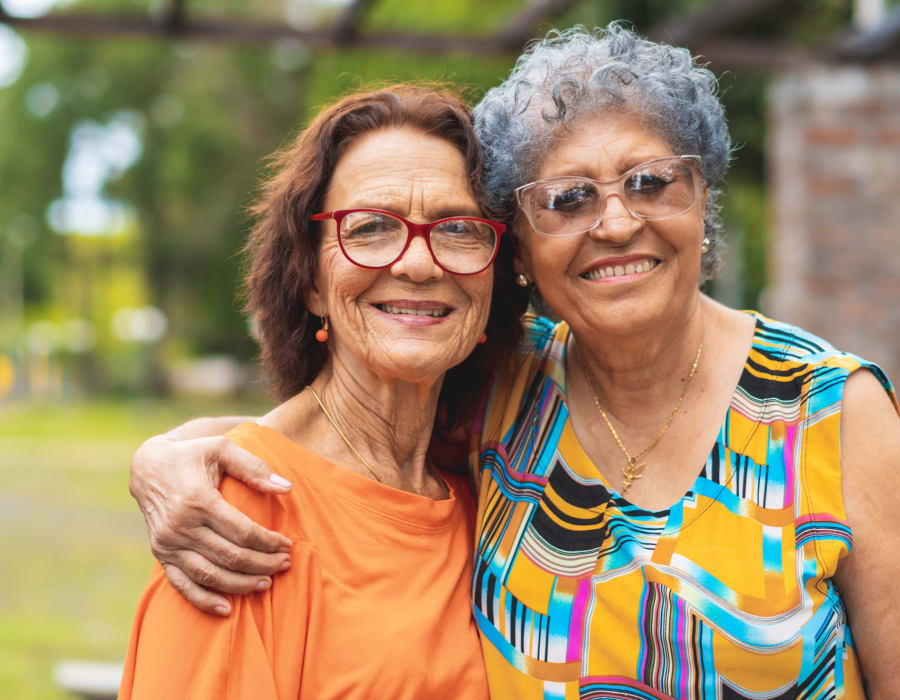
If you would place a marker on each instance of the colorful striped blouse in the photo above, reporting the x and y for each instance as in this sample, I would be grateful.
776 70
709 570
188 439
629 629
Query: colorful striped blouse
726 594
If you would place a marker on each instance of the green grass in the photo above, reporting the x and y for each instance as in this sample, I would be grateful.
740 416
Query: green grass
73 543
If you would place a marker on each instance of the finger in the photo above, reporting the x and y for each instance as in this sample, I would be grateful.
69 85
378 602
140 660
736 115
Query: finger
199 597
234 526
227 555
244 466
205 574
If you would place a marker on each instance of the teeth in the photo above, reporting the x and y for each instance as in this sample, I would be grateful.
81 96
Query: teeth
601 273
436 313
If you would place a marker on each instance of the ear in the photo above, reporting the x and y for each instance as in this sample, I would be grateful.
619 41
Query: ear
315 301
522 262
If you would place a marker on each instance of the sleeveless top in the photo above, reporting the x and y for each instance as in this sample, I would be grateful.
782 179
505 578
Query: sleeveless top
726 594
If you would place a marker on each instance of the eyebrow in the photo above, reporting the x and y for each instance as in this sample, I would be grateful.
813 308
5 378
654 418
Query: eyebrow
631 161
447 212
444 212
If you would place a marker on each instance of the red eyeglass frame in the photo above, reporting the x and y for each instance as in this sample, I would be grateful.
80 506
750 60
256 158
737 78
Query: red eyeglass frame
412 230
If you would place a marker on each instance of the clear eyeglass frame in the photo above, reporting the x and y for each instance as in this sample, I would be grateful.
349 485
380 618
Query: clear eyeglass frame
606 188
412 230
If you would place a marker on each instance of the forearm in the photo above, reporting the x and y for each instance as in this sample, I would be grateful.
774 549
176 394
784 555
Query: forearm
205 544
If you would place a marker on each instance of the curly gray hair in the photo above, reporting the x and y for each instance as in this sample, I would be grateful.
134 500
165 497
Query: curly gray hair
576 72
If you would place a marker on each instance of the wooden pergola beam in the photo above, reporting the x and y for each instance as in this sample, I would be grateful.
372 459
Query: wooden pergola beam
710 22
87 24
175 15
738 54
882 41
521 27
347 24
701 32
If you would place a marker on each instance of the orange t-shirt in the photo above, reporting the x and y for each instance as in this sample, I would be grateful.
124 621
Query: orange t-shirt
375 605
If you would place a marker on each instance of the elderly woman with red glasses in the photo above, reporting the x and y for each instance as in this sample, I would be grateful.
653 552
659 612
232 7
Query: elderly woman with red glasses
675 499
371 276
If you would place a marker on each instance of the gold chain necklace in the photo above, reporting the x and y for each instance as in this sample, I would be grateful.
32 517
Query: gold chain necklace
356 452
344 437
632 470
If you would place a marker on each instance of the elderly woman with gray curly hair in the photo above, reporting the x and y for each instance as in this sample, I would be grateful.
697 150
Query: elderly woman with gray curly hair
676 499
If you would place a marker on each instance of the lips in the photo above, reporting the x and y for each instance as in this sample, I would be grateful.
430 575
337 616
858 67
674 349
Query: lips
415 308
620 268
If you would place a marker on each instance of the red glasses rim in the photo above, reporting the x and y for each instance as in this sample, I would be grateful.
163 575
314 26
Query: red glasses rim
412 229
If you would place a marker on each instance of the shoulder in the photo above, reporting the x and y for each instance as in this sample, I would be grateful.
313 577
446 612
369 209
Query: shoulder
540 363
539 332
274 511
870 427
544 340
540 353
858 409
543 348
790 342
812 356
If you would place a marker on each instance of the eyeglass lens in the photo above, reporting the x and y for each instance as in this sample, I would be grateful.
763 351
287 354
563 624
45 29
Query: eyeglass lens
376 239
654 190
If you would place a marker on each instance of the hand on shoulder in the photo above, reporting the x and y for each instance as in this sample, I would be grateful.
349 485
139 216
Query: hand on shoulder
202 541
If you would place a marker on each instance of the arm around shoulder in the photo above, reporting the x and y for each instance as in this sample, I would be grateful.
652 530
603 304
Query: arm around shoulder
867 577
202 541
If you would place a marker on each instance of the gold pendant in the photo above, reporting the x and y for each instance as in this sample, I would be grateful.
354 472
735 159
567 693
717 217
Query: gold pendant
631 471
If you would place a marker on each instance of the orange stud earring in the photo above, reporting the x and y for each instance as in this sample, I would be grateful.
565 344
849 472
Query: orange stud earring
483 339
322 333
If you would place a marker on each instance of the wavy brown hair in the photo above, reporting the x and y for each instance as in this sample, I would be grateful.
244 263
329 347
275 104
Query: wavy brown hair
282 250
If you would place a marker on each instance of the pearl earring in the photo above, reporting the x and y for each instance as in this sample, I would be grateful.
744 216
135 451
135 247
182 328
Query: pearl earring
704 246
522 280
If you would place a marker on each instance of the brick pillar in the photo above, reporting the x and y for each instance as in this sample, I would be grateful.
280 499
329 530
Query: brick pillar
834 154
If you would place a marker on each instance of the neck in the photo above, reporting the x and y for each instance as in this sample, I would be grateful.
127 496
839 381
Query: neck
387 422
392 420
642 373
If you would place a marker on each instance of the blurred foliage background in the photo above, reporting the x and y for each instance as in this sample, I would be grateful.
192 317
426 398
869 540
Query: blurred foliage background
126 167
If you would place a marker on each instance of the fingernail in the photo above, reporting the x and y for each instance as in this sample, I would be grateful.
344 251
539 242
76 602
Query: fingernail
285 565
263 584
222 610
279 481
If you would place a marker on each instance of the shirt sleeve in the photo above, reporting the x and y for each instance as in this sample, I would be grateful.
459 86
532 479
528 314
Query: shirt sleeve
177 651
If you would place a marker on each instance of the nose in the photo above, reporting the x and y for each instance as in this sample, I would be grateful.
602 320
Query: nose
617 224
416 263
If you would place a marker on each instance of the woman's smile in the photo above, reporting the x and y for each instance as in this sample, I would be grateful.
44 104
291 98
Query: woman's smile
622 269
414 313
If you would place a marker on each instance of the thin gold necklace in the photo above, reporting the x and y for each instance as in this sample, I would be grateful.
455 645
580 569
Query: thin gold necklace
632 470
344 437
359 456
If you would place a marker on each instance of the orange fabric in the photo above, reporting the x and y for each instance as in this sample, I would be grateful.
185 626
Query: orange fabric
376 604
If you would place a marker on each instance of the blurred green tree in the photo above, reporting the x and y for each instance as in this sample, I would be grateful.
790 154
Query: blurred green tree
199 117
